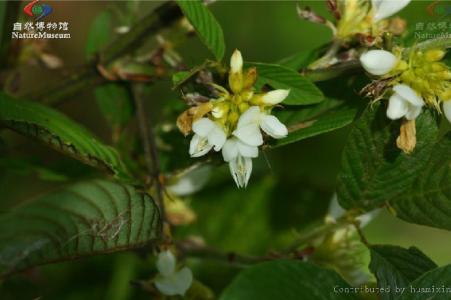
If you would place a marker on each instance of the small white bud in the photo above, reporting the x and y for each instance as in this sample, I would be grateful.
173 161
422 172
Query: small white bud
378 62
236 62
275 97
447 109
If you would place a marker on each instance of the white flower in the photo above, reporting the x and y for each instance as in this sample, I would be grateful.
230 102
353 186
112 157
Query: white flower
378 62
171 282
207 135
405 102
275 97
387 8
447 109
239 156
251 120
190 181
236 62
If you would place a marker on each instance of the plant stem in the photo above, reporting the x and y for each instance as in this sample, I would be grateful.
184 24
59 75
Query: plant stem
332 71
149 145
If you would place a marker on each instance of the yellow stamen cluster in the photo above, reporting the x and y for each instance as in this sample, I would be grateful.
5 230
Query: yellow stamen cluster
426 73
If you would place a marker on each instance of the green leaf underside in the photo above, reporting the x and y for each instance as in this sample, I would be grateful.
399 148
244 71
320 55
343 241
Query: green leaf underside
286 280
329 115
435 284
428 200
394 267
206 26
60 133
83 219
373 169
302 90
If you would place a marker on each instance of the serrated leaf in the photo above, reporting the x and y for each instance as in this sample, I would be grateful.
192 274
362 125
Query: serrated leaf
60 133
303 123
302 90
428 199
396 267
83 219
286 280
206 26
373 169
434 284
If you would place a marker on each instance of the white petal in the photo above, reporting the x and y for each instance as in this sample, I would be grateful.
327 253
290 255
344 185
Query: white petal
246 150
236 62
397 107
386 8
175 284
166 263
378 62
250 116
190 181
413 112
249 134
217 137
203 126
230 149
199 146
408 94
241 170
275 97
273 127
447 109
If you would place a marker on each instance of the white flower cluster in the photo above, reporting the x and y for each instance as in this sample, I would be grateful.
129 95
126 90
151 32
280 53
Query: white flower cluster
240 144
405 101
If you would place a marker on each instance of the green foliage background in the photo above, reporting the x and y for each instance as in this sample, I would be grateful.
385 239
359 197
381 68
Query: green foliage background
290 189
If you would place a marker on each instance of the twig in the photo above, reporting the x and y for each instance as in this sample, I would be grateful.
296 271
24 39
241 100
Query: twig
149 145
87 76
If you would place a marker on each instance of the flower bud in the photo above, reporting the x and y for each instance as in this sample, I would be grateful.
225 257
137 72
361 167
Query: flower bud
434 55
250 78
378 62
275 97
236 62
447 109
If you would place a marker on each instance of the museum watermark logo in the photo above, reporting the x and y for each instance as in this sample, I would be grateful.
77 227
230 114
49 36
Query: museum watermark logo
38 29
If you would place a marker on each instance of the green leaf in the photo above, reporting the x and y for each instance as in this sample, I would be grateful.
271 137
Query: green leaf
373 169
206 26
434 284
60 133
327 116
100 33
396 267
115 103
83 219
298 60
286 280
302 90
428 200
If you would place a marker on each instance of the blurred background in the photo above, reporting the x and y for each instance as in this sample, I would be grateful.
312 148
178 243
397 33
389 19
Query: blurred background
290 189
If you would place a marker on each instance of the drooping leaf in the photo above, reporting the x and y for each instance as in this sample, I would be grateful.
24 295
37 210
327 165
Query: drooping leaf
286 280
303 123
83 219
435 284
206 26
396 267
428 199
373 169
60 133
112 99
115 103
100 33
302 90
